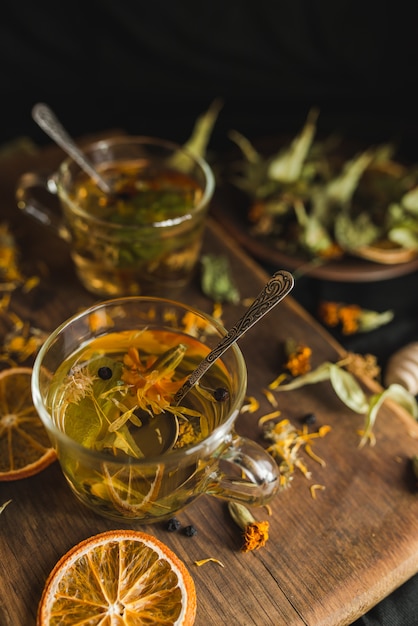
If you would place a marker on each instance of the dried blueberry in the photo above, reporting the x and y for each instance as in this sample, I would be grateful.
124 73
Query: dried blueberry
190 531
221 394
173 524
309 418
105 373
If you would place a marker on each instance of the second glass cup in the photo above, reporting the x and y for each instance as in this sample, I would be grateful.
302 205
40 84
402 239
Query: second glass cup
145 238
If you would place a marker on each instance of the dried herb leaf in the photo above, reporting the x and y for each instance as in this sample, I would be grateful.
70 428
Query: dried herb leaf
347 389
217 282
315 376
198 142
314 199
287 165
398 394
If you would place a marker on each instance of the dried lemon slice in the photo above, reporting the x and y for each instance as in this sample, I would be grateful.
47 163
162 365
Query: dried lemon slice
119 577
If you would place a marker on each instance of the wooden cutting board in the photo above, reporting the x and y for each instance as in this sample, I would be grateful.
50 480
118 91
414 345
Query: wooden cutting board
328 560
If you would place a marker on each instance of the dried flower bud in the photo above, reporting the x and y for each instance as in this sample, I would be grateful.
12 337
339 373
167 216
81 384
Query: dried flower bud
255 533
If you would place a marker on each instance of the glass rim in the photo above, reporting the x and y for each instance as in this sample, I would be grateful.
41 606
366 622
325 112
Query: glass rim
120 140
165 458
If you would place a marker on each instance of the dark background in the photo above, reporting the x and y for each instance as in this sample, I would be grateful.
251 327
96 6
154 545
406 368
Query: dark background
153 67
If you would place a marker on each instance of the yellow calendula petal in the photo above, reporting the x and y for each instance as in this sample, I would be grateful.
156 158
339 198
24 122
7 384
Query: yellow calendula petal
268 417
31 283
3 506
252 405
367 436
270 397
314 456
277 381
314 488
217 311
209 560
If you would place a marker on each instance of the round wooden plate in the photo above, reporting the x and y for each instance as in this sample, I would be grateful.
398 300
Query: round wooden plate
232 215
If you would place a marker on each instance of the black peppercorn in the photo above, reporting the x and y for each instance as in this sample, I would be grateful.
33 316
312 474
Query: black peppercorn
105 373
190 531
220 394
309 418
173 524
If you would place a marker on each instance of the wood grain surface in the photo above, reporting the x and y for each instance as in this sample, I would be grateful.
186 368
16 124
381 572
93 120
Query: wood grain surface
328 560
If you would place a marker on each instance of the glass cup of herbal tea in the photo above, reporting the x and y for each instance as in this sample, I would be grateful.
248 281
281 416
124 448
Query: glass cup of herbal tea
144 238
104 384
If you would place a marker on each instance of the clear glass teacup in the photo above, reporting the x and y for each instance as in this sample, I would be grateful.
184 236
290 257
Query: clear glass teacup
145 237
103 384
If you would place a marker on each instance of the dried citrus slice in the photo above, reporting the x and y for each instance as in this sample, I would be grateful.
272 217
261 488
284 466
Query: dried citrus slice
25 448
118 577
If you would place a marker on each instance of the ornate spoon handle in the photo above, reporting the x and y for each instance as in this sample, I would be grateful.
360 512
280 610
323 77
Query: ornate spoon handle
272 293
46 119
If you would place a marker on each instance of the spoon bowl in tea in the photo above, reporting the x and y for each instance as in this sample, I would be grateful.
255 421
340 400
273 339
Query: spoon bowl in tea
275 290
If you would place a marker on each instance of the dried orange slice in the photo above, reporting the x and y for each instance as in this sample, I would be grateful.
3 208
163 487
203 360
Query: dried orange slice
119 577
25 448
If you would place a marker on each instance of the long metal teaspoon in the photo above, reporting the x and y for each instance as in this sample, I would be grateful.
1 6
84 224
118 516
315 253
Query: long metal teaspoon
47 120
160 433
277 288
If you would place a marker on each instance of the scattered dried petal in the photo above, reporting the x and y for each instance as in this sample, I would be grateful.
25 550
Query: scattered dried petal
252 405
270 397
208 560
287 441
3 506
315 457
268 509
314 488
277 381
268 417
367 436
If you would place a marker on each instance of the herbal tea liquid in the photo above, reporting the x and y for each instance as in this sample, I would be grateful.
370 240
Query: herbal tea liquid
114 398
141 239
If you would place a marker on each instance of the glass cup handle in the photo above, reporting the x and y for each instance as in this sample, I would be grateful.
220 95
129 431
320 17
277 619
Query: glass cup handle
259 478
29 204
